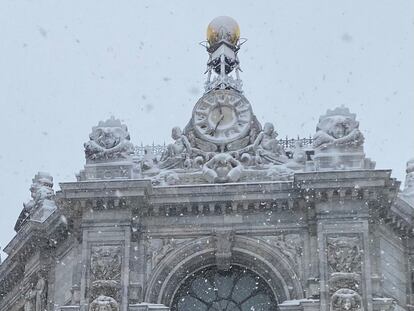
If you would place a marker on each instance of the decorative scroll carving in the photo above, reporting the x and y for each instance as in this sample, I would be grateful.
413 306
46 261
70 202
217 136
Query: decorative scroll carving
338 128
346 299
104 303
105 270
109 141
224 243
344 254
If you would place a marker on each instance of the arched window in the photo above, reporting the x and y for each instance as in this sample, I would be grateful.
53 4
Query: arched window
236 289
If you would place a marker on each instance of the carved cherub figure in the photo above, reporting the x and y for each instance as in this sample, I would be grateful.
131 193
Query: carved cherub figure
148 161
222 168
266 147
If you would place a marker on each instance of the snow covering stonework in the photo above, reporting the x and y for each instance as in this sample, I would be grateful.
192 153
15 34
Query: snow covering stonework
409 180
227 216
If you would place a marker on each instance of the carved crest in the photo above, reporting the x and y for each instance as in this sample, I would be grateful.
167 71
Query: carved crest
338 127
344 254
109 141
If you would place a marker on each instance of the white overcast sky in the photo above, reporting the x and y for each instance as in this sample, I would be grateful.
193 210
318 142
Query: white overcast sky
65 65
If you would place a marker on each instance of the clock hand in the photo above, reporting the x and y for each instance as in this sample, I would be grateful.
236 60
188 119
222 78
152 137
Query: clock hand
219 105
218 123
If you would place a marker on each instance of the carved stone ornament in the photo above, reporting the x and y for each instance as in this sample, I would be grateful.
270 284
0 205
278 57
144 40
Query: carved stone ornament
344 254
222 168
42 204
105 270
409 179
338 128
346 299
109 141
104 303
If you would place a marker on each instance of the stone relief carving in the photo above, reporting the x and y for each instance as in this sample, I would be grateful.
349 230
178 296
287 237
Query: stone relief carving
190 158
338 128
344 254
109 141
104 303
340 280
346 299
106 262
35 297
42 204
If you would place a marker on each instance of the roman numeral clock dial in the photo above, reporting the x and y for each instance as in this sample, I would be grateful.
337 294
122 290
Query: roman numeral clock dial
222 116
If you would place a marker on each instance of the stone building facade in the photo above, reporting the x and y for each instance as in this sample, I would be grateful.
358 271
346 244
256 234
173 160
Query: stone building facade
226 217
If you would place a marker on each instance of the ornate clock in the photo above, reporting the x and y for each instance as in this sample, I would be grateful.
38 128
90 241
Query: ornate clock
222 116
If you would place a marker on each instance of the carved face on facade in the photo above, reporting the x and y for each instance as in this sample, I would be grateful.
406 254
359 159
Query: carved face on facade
107 138
104 303
346 300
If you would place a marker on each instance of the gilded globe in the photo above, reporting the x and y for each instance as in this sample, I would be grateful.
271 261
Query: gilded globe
223 28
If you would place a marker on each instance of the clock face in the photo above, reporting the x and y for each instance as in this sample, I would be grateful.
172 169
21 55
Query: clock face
222 116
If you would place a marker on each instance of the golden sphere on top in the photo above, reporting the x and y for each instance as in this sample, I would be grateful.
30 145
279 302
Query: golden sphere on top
223 28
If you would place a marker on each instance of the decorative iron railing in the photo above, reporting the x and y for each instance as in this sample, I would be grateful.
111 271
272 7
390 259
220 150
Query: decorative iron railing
287 143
